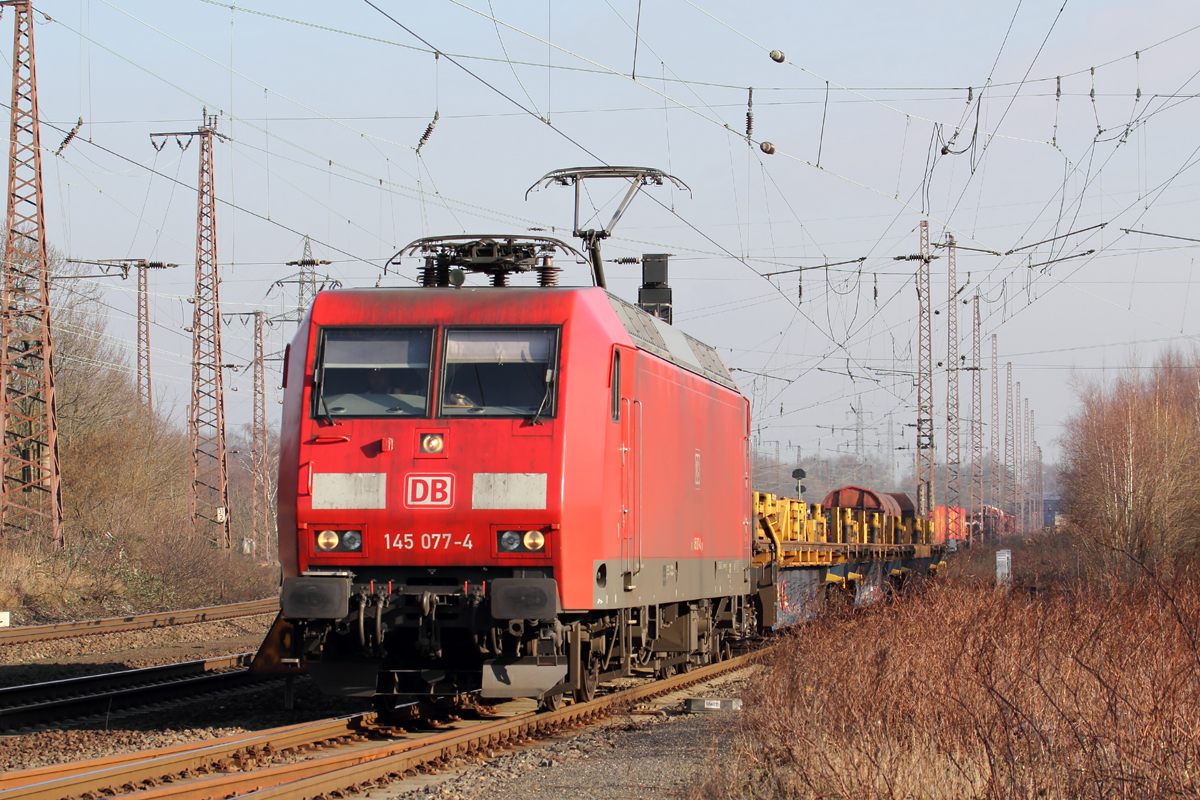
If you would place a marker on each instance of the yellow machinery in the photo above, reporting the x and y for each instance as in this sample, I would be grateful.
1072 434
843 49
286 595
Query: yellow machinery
793 533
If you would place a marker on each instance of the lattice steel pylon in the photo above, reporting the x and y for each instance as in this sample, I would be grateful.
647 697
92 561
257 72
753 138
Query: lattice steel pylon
305 280
145 398
953 448
1042 495
996 481
208 502
1010 453
31 493
145 393
1033 502
1018 452
260 498
976 416
306 291
1026 463
925 446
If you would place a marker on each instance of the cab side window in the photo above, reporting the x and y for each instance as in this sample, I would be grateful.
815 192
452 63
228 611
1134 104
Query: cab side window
616 386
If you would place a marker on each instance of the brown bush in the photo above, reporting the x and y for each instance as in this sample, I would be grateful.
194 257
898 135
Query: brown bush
966 692
125 481
1132 462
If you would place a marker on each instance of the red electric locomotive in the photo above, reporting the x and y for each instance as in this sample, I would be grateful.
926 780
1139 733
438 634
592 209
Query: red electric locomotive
516 491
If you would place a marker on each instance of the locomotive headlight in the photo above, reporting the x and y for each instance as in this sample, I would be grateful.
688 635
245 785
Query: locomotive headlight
534 540
327 540
351 540
432 443
510 541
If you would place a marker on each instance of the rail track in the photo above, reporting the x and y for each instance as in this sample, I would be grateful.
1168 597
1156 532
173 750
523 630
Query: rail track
66 630
73 698
231 766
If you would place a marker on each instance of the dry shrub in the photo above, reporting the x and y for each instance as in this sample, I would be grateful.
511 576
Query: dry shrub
965 692
1048 560
1132 462
125 483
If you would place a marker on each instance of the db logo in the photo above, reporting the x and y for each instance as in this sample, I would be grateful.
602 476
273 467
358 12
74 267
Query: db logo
429 491
698 544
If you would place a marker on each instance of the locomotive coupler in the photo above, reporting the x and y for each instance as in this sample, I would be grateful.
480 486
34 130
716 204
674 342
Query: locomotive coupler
549 638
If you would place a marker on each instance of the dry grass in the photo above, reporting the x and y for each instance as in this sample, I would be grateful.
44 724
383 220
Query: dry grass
1043 561
964 692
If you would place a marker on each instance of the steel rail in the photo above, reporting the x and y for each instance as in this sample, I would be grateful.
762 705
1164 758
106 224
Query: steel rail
384 761
65 630
344 767
23 706
69 780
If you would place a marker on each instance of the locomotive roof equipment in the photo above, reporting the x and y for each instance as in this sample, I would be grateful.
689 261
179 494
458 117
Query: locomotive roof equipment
575 176
496 256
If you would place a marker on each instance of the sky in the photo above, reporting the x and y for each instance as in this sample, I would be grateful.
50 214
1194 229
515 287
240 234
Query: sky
1003 125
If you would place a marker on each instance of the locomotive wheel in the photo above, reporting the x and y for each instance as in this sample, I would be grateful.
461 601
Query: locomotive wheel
665 672
392 712
551 702
591 679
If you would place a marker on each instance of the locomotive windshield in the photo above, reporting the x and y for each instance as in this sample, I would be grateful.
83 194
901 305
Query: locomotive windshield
508 372
373 372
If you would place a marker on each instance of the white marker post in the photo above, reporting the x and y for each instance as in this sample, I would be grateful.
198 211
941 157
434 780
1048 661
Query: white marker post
1004 568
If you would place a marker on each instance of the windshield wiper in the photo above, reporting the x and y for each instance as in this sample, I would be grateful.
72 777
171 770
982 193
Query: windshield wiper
319 388
545 398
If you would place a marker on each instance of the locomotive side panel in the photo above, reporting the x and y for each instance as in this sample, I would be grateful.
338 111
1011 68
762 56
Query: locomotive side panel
688 486
592 456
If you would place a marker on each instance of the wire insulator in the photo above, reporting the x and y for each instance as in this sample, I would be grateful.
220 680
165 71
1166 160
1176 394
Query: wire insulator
547 272
499 279
767 148
750 114
71 136
442 270
626 260
428 130
777 56
429 272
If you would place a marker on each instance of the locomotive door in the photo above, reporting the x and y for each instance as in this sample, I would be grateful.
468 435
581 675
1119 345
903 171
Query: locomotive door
631 468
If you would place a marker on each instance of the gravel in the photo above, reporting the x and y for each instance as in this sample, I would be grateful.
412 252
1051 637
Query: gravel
657 754
35 662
